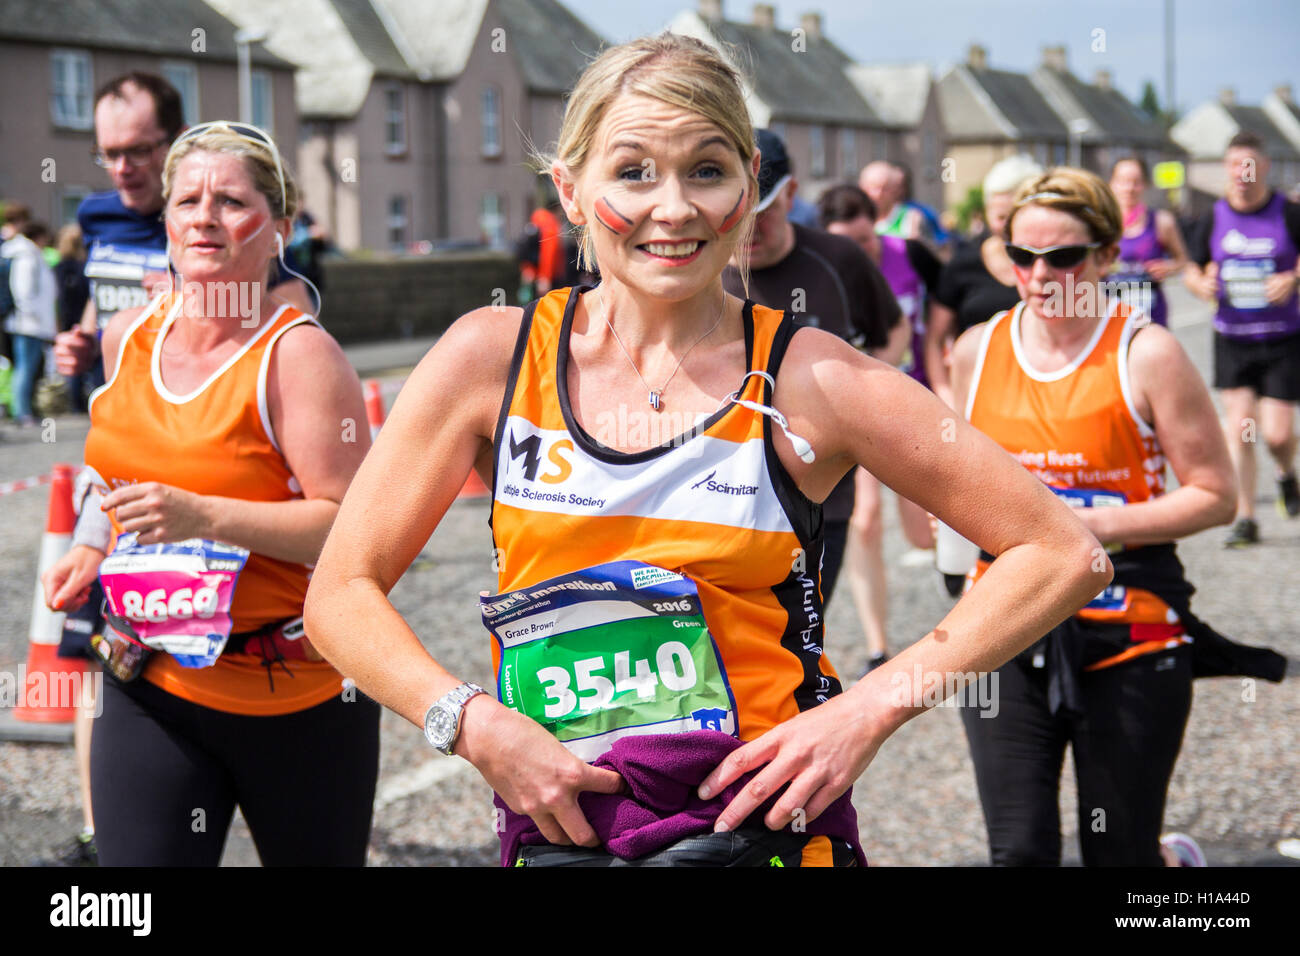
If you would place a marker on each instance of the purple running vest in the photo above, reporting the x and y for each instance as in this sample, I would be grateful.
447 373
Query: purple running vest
910 293
1249 247
1132 283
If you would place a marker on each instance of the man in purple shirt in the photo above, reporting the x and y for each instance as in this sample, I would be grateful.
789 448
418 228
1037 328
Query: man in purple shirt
1243 257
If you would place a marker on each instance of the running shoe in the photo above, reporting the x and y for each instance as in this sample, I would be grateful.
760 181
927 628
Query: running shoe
953 584
1288 496
1244 533
1185 848
874 661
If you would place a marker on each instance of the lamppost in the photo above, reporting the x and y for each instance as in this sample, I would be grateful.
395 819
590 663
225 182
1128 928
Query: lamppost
243 40
1077 128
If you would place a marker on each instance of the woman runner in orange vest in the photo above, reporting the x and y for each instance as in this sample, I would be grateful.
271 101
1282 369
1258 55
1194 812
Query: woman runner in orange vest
1093 400
222 432
657 451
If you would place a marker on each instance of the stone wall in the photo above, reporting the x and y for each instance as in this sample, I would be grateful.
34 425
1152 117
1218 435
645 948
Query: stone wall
367 299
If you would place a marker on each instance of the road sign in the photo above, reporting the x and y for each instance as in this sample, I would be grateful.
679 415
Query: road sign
1169 175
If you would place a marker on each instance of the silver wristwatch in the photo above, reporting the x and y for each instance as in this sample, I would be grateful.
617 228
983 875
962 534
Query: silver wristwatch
442 721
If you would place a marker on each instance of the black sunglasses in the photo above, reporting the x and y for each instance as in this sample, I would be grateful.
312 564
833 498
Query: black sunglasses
1058 257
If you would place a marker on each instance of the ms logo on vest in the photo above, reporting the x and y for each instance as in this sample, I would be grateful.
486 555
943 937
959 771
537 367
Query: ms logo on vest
530 450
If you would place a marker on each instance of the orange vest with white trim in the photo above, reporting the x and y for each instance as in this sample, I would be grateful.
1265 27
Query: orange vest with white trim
1076 429
713 504
217 440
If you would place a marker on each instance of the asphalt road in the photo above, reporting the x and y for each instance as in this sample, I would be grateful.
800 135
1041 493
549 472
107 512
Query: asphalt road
1234 788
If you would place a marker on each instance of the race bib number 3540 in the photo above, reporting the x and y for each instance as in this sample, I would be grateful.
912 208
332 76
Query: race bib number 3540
609 651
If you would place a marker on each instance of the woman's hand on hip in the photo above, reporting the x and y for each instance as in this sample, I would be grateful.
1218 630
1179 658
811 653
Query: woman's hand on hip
819 754
532 771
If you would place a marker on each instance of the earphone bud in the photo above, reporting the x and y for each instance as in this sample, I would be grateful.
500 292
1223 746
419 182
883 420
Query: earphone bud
279 242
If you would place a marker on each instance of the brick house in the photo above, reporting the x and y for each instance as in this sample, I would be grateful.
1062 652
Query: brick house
53 56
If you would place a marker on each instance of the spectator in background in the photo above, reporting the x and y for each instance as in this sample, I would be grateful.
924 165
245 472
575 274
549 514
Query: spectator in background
979 281
31 324
886 184
544 262
308 243
73 294
15 217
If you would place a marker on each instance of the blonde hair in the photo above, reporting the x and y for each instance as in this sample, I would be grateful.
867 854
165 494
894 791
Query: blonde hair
677 70
1082 194
70 243
258 161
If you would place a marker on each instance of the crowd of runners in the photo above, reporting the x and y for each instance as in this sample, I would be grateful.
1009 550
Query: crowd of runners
657 624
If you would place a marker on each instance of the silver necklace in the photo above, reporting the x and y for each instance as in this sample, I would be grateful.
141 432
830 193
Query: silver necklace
655 395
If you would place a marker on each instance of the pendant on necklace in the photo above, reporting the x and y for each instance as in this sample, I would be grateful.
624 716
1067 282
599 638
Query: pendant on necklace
654 399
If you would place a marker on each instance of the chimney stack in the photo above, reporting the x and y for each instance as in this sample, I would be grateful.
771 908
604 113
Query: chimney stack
1054 58
977 56
812 25
1228 96
711 10
765 16
1102 80
1283 93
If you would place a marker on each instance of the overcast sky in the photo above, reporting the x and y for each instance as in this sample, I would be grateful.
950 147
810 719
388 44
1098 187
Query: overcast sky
1252 45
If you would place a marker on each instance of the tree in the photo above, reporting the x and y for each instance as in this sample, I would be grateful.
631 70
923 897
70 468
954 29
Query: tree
1150 103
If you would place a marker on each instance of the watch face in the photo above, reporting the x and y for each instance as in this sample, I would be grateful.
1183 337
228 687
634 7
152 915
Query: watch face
439 727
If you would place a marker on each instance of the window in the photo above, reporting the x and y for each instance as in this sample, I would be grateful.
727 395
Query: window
1058 155
70 93
817 138
882 146
185 78
492 220
394 120
70 198
848 152
1040 153
491 121
260 90
397 223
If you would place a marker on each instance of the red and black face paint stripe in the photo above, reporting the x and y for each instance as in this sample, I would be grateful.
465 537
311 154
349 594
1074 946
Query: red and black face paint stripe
737 213
611 218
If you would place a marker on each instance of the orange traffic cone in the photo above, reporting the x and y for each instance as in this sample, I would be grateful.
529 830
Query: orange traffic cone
52 689
374 407
474 487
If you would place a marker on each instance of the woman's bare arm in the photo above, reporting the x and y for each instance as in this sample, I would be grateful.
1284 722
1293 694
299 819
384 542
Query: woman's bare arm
857 411
441 425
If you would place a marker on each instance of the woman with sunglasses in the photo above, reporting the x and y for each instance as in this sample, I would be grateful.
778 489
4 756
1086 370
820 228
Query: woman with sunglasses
1093 400
658 607
220 427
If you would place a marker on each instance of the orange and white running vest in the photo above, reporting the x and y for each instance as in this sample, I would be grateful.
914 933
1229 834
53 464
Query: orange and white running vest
1078 431
709 511
217 440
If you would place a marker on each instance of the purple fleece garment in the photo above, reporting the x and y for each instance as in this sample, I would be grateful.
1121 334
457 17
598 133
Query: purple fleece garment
663 772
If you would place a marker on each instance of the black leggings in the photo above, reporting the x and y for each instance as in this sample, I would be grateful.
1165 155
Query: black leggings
166 775
1124 746
837 537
